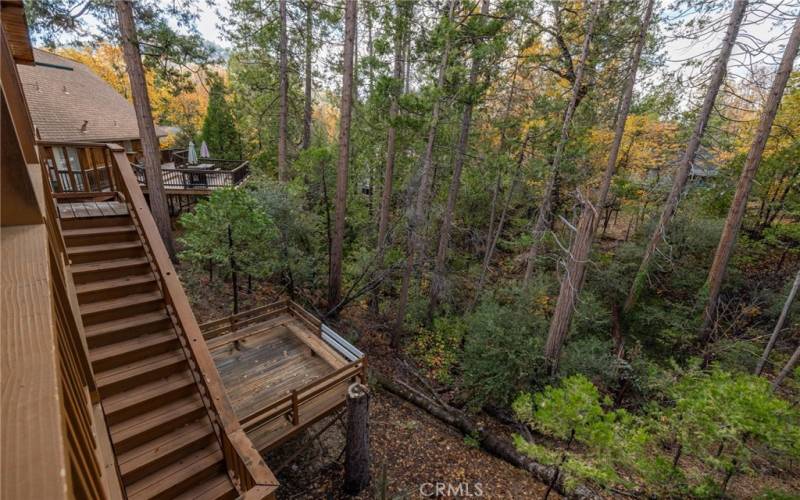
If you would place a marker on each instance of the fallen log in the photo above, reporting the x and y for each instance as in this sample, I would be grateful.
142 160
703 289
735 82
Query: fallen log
497 446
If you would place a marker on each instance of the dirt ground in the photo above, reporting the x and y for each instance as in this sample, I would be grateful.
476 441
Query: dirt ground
411 453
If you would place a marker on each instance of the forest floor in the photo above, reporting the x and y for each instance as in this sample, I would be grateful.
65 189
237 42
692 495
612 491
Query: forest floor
411 450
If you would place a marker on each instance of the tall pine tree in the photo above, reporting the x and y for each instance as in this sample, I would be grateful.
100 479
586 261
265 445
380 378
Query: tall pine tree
218 128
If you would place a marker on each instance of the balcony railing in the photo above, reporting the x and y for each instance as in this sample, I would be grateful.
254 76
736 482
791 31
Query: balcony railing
189 178
85 168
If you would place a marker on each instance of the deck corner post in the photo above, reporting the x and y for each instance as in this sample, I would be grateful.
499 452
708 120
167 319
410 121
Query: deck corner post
357 459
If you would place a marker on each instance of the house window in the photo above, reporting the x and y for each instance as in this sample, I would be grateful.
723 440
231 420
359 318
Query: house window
63 169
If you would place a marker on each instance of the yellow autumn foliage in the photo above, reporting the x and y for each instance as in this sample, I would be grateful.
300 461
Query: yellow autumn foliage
107 62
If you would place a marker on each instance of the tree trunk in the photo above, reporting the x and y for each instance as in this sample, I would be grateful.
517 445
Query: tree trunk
685 165
416 220
779 325
307 109
356 461
147 129
437 282
391 148
497 446
283 112
787 369
340 211
578 257
543 217
739 204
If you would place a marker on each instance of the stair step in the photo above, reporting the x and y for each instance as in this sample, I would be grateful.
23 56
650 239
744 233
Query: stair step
120 307
128 376
107 269
115 287
120 330
105 251
96 222
113 355
147 397
143 460
178 476
219 487
155 423
98 235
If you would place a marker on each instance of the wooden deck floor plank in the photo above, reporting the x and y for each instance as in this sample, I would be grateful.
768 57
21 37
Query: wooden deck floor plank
93 209
251 363
267 341
252 386
80 210
291 374
119 208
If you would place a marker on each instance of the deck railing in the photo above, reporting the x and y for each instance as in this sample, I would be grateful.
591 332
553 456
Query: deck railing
249 473
197 179
290 405
85 167
77 168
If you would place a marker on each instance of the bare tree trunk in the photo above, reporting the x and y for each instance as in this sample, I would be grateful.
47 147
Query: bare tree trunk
543 217
779 325
309 50
739 204
685 165
340 201
356 460
437 282
417 217
573 279
147 129
787 369
283 112
391 148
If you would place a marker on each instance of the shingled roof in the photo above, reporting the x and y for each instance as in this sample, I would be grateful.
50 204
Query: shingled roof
69 103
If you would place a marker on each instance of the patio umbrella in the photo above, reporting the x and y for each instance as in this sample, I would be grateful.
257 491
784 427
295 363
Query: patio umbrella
204 150
192 155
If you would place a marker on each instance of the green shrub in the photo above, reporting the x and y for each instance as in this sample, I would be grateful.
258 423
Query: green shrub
502 352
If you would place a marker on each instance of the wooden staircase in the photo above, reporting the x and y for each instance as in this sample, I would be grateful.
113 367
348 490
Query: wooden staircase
160 430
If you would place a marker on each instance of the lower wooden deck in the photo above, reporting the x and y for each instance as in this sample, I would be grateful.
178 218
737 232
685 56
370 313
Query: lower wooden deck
265 365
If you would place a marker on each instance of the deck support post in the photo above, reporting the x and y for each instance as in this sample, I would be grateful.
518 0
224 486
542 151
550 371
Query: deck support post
357 459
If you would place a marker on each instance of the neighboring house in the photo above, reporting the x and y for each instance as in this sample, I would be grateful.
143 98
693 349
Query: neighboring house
69 103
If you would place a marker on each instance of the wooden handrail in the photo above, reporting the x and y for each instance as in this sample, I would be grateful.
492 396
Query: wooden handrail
298 397
244 463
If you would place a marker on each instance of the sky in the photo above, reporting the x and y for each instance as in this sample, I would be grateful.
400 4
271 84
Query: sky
678 51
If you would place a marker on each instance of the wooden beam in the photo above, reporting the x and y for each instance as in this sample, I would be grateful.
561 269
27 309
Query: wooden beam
317 345
16 25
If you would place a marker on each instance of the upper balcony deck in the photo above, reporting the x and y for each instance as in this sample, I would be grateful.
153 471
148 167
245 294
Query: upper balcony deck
75 169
